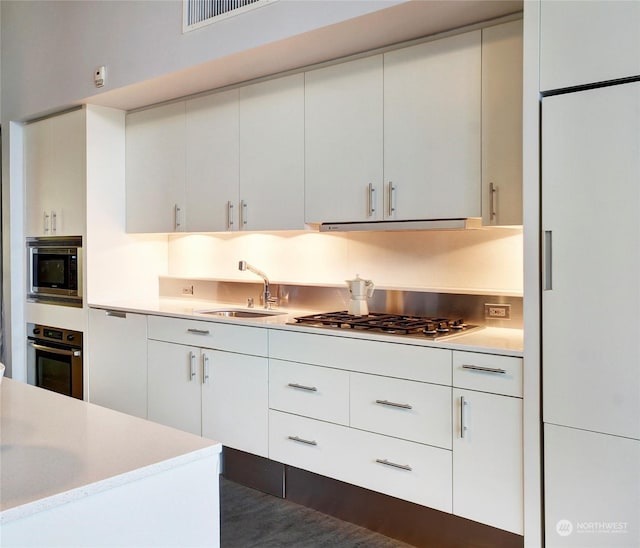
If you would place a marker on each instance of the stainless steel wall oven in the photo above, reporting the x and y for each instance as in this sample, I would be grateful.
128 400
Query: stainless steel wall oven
54 268
54 359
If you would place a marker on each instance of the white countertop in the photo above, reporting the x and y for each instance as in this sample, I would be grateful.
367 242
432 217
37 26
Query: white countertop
504 341
55 449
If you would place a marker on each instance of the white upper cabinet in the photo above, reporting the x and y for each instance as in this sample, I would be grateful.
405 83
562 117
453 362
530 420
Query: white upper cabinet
432 129
272 154
587 42
55 175
155 174
343 142
502 124
212 162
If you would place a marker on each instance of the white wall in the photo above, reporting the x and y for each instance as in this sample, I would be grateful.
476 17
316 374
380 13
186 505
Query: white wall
476 261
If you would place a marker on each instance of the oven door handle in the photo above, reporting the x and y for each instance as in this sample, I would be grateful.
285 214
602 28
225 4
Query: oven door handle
74 353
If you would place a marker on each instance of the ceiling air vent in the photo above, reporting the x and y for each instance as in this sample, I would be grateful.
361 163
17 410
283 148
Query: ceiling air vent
198 13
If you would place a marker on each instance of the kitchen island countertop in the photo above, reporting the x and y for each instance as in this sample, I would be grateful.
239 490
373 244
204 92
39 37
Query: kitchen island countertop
496 340
56 450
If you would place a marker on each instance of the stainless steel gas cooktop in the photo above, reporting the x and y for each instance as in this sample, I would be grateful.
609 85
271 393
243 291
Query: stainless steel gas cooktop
396 324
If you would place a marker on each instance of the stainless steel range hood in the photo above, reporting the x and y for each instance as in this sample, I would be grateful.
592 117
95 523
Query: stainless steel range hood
433 224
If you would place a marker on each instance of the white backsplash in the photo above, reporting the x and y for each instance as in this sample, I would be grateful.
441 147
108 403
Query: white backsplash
486 260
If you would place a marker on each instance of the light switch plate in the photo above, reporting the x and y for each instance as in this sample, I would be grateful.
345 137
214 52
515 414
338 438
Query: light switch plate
497 311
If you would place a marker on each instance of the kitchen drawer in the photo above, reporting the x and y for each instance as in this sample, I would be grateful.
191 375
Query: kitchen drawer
219 336
488 373
409 410
308 390
390 359
402 469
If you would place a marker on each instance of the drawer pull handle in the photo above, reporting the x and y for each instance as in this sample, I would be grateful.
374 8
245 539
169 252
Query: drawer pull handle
394 404
302 387
302 440
485 369
116 314
199 331
394 464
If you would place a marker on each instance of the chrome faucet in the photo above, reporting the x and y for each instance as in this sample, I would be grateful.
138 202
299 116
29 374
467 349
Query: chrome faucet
266 295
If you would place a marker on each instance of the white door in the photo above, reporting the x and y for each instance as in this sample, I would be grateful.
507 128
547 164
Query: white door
592 489
272 154
502 124
55 175
155 169
212 163
235 401
174 394
343 142
117 361
432 129
591 290
488 459
603 44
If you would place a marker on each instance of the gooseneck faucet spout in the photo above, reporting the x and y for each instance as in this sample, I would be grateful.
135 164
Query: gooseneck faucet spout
266 296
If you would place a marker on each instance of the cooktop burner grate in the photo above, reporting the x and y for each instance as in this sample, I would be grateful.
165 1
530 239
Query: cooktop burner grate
399 324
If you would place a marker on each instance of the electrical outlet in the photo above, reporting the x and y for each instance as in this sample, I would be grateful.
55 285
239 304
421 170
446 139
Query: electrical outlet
497 311
187 290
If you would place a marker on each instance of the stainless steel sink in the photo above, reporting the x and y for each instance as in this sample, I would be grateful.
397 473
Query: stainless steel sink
239 312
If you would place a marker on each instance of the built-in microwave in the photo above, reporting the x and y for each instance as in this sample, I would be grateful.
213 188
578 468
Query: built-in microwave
54 268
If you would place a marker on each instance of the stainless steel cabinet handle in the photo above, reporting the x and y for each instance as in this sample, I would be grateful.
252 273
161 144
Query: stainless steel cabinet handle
54 222
302 440
243 213
394 404
302 387
392 199
485 369
192 365
45 222
205 369
394 464
547 258
115 314
229 215
177 213
492 201
463 417
198 331
372 200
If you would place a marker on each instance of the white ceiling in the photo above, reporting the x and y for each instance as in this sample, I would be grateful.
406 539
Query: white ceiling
406 21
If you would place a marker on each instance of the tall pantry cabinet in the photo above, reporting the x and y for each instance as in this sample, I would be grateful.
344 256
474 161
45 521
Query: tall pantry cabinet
590 198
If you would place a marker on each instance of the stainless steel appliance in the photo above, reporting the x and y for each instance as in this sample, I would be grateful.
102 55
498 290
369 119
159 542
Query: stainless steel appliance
55 360
54 267
396 324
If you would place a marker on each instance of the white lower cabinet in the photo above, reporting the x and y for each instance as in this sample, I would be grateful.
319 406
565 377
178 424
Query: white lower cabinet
210 389
487 440
410 471
117 361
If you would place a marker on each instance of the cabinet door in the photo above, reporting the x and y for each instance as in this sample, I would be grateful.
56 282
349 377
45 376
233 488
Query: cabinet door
117 361
603 44
55 175
235 401
591 297
272 154
155 167
592 489
343 142
487 459
432 129
212 169
502 124
174 394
